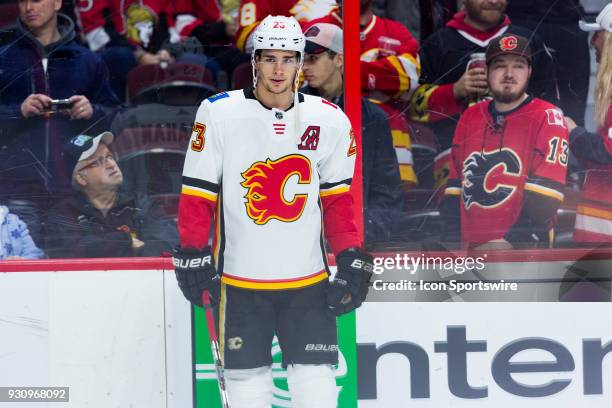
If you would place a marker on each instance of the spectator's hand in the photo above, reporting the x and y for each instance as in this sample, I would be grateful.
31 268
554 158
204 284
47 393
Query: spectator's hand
35 105
161 56
136 243
81 107
230 28
148 58
471 84
13 257
494 245
165 56
570 124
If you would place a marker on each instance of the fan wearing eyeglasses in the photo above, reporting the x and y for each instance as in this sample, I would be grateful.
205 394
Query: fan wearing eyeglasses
100 219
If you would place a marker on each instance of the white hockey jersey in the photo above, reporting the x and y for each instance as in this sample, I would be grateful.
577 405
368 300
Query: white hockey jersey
266 180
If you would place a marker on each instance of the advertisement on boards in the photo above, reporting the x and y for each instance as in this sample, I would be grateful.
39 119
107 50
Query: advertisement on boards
461 354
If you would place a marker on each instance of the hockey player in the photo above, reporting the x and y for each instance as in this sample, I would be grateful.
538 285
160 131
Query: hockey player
274 166
508 159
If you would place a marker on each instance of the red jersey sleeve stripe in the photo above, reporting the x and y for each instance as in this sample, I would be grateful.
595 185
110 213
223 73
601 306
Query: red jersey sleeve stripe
194 218
339 222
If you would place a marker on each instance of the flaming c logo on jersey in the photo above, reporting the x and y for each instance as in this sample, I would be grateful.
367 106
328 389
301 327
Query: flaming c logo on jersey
508 43
266 181
490 178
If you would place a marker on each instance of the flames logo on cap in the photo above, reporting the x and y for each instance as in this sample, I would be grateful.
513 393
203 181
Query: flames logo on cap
508 43
266 181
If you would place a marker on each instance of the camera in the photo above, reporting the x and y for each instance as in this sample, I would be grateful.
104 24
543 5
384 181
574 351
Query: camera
59 104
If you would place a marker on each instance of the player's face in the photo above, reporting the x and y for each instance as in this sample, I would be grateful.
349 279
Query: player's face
320 68
488 12
508 77
276 70
597 42
36 14
101 170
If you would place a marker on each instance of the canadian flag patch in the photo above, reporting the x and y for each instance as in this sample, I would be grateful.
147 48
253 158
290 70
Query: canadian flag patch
555 117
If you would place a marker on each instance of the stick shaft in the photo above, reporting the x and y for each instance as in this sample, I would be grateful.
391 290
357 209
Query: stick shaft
214 346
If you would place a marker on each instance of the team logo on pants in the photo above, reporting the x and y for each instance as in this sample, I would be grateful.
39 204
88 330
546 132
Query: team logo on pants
490 178
269 196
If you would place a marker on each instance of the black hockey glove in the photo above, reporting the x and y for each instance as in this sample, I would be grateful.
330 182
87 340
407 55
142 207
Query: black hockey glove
195 272
350 285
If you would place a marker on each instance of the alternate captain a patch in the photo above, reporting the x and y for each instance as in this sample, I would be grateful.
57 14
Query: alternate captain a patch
310 138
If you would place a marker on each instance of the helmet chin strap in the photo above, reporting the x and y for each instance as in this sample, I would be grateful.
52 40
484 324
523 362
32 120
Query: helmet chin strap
254 71
296 101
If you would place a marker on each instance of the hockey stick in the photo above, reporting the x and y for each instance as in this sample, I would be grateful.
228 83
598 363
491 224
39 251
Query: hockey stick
214 345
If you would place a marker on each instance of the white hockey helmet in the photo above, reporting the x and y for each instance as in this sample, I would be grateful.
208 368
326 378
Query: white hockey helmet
279 33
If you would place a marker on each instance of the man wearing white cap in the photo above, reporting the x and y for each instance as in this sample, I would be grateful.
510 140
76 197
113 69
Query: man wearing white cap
100 220
594 211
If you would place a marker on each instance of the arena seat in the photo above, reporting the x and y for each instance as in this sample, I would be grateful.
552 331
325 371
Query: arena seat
8 15
242 77
175 84
151 159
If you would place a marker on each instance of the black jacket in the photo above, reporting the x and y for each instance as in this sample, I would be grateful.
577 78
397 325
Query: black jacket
75 229
382 185
558 11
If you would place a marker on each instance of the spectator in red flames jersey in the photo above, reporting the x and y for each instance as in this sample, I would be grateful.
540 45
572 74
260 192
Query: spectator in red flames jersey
508 159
